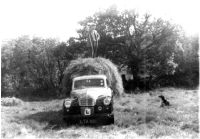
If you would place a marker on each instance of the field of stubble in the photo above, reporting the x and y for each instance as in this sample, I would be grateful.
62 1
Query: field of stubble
136 116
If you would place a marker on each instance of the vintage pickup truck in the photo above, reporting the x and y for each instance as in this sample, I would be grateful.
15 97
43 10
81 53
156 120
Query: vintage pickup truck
91 100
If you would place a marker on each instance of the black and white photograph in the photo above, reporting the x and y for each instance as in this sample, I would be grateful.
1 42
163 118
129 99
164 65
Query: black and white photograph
99 69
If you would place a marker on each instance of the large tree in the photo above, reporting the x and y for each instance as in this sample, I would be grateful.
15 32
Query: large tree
29 63
37 63
187 73
63 53
141 43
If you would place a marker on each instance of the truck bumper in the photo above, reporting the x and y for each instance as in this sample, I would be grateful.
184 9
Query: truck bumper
104 118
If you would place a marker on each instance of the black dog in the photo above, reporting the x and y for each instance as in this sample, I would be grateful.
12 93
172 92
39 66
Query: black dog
164 101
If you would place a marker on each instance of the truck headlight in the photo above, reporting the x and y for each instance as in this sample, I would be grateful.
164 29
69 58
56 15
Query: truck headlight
67 103
107 101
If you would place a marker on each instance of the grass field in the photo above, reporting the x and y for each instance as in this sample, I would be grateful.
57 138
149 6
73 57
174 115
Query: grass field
136 116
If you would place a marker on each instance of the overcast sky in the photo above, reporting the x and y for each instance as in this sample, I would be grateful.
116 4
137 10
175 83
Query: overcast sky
58 18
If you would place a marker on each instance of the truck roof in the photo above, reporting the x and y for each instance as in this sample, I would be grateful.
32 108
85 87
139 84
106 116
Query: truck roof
89 77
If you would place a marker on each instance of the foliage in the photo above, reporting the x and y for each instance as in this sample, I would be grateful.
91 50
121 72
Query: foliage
156 52
144 45
34 63
187 73
30 63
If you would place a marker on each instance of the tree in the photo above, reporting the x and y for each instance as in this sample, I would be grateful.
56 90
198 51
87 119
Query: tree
37 63
143 44
29 63
187 58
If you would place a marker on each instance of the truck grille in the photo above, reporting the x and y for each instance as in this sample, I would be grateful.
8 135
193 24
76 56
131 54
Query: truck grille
86 101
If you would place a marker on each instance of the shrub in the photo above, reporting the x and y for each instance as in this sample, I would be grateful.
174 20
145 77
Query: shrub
93 66
11 101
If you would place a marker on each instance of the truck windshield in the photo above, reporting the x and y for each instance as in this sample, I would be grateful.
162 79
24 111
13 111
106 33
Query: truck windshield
85 83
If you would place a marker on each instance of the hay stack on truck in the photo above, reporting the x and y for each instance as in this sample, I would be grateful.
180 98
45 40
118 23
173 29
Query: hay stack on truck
90 85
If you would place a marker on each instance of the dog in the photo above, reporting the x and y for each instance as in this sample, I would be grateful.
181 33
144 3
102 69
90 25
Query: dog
164 101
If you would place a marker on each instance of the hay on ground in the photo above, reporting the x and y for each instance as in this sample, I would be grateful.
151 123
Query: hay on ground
11 101
93 66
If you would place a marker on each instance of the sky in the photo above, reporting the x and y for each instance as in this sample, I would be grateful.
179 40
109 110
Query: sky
59 18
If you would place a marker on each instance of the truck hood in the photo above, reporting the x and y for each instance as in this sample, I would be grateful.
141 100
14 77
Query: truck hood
92 92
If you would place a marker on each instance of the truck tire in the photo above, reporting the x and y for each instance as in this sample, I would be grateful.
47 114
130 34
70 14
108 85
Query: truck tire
111 119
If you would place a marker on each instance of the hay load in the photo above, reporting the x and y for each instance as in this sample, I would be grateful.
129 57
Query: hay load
11 101
93 66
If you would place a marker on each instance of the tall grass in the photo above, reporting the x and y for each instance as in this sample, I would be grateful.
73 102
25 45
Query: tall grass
136 115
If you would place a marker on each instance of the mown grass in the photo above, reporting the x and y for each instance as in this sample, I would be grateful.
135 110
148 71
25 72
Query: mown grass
136 116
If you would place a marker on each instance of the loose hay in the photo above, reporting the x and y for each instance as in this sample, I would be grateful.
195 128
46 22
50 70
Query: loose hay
11 101
93 66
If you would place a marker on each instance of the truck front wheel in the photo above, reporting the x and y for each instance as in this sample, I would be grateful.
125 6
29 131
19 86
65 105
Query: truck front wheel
111 120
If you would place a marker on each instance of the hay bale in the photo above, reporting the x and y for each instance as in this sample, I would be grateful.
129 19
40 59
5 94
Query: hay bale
11 101
93 66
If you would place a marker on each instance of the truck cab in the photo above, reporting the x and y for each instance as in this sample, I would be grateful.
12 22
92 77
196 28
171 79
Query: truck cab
91 100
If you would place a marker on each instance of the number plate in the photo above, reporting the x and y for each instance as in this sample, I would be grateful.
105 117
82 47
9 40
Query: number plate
87 121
